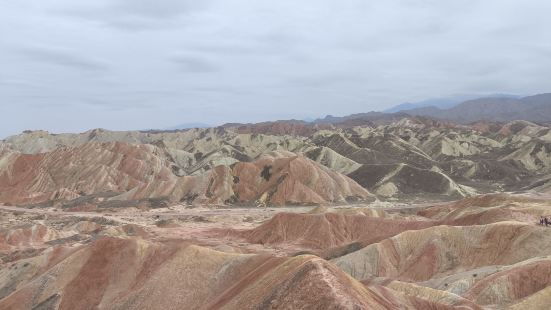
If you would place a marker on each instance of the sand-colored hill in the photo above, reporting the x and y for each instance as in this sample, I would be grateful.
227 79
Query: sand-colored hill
534 155
332 160
537 301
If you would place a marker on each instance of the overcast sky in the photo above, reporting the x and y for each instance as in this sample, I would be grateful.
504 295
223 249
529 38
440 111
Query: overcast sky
68 65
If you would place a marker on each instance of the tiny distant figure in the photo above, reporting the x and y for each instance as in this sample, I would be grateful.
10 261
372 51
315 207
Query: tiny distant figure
541 221
546 221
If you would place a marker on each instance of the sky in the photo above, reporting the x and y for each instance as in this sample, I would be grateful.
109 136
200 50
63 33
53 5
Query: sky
70 66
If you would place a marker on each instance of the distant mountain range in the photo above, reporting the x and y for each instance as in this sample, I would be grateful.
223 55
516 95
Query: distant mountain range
443 102
534 108
503 108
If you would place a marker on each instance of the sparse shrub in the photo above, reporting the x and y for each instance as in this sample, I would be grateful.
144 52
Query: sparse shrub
266 172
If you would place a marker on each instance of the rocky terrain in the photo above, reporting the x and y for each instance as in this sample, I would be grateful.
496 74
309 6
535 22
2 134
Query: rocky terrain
278 163
395 212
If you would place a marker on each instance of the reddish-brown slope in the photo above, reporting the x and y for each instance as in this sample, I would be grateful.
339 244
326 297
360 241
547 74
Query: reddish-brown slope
113 273
142 171
512 284
487 209
88 169
26 235
284 177
443 250
328 230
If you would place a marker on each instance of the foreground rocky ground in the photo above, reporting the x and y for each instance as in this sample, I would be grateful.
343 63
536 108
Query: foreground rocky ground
482 252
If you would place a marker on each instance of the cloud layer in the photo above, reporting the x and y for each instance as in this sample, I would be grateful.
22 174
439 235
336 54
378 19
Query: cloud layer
134 64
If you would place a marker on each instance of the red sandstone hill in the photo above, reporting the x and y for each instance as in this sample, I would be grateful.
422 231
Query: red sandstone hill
114 273
284 177
443 250
328 230
144 171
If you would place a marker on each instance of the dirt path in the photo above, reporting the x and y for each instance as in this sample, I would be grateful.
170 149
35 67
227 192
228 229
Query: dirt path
239 211
136 216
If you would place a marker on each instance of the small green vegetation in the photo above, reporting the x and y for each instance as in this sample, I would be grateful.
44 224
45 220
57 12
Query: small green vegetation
266 172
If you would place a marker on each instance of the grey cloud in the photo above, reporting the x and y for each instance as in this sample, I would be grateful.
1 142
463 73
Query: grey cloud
326 80
154 63
219 90
63 58
106 104
255 45
136 15
191 64
158 9
23 83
